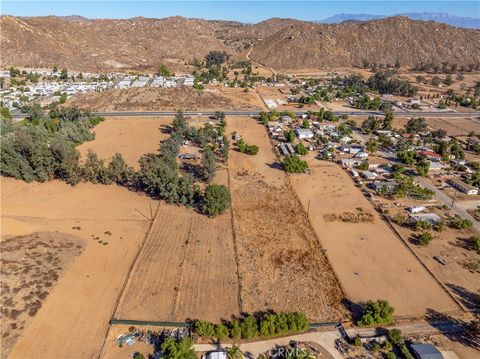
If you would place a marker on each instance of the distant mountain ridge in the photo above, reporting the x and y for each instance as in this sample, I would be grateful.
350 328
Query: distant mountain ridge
143 43
458 21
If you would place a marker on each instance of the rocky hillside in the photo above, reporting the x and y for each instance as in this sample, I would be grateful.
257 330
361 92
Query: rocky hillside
141 43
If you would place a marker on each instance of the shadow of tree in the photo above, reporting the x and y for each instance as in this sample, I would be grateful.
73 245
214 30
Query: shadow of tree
455 329
469 299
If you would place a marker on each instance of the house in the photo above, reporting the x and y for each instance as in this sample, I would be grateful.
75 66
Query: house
436 167
431 218
370 176
432 156
303 133
285 119
362 155
462 186
415 101
346 139
349 162
389 186
352 149
425 351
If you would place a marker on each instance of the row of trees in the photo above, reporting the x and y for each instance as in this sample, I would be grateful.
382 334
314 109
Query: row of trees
249 327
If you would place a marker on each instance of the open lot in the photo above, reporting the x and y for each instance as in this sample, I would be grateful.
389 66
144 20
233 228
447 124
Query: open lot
456 126
370 261
30 267
105 218
282 266
186 269
131 137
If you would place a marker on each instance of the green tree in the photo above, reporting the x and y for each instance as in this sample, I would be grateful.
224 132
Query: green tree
63 74
376 312
163 71
178 349
119 171
204 328
235 329
416 125
371 146
224 151
290 136
293 164
249 327
221 331
301 149
423 167
424 238
216 199
234 352
209 165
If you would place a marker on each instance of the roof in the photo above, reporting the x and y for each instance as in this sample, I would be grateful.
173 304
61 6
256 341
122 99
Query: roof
429 153
216 355
426 351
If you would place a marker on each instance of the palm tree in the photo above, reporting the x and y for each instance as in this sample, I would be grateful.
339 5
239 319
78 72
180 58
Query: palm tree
234 352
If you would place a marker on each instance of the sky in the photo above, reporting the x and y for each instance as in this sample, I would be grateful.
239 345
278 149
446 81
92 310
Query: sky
244 11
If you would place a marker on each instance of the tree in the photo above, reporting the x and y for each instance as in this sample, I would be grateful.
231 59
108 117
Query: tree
301 149
163 71
204 328
216 199
388 121
293 164
234 352
371 146
63 74
209 165
221 331
178 349
180 126
376 312
119 171
290 136
224 151
252 150
5 113
215 58
424 238
416 125
249 327
371 124
306 124
423 167
235 329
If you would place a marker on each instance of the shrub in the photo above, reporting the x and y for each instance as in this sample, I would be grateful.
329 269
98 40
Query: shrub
387 346
235 329
216 199
460 223
376 312
424 238
221 331
176 349
357 341
474 243
204 328
395 336
293 164
249 327
301 149
252 150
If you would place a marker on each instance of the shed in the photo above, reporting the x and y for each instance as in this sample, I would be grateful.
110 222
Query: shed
216 355
426 351
303 133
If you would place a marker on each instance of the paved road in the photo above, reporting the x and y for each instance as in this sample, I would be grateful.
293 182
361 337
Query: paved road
255 113
441 197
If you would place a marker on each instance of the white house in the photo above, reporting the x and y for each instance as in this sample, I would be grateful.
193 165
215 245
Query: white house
304 133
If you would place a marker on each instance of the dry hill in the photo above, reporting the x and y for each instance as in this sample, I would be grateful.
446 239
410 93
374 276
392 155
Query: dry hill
141 43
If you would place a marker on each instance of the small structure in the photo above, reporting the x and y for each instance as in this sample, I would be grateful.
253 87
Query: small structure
431 218
416 209
463 187
290 148
426 351
283 149
303 133
370 176
436 166
432 156
215 355
389 186
187 156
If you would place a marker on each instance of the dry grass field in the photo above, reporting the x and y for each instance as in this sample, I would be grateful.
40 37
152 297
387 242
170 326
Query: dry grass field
370 261
186 269
457 126
131 137
30 267
281 263
73 320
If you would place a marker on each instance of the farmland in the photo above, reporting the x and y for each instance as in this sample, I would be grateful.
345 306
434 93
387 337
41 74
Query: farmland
369 260
280 259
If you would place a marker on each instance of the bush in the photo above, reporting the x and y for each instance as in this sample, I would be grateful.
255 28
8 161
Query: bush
235 329
249 327
301 149
176 349
395 336
216 199
387 346
252 150
293 164
424 238
204 328
460 223
376 312
357 341
221 331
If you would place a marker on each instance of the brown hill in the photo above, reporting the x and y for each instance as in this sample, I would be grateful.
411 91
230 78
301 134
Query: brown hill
141 43
309 45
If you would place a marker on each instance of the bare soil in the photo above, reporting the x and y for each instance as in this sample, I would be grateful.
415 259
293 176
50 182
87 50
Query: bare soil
30 268
131 137
186 269
281 263
370 261
74 317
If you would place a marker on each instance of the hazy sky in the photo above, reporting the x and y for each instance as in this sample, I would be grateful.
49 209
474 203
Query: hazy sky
245 11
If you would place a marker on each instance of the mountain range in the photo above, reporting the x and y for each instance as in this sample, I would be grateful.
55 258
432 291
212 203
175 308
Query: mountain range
458 21
284 44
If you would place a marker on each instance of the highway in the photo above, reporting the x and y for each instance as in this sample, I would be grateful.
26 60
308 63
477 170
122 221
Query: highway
256 113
